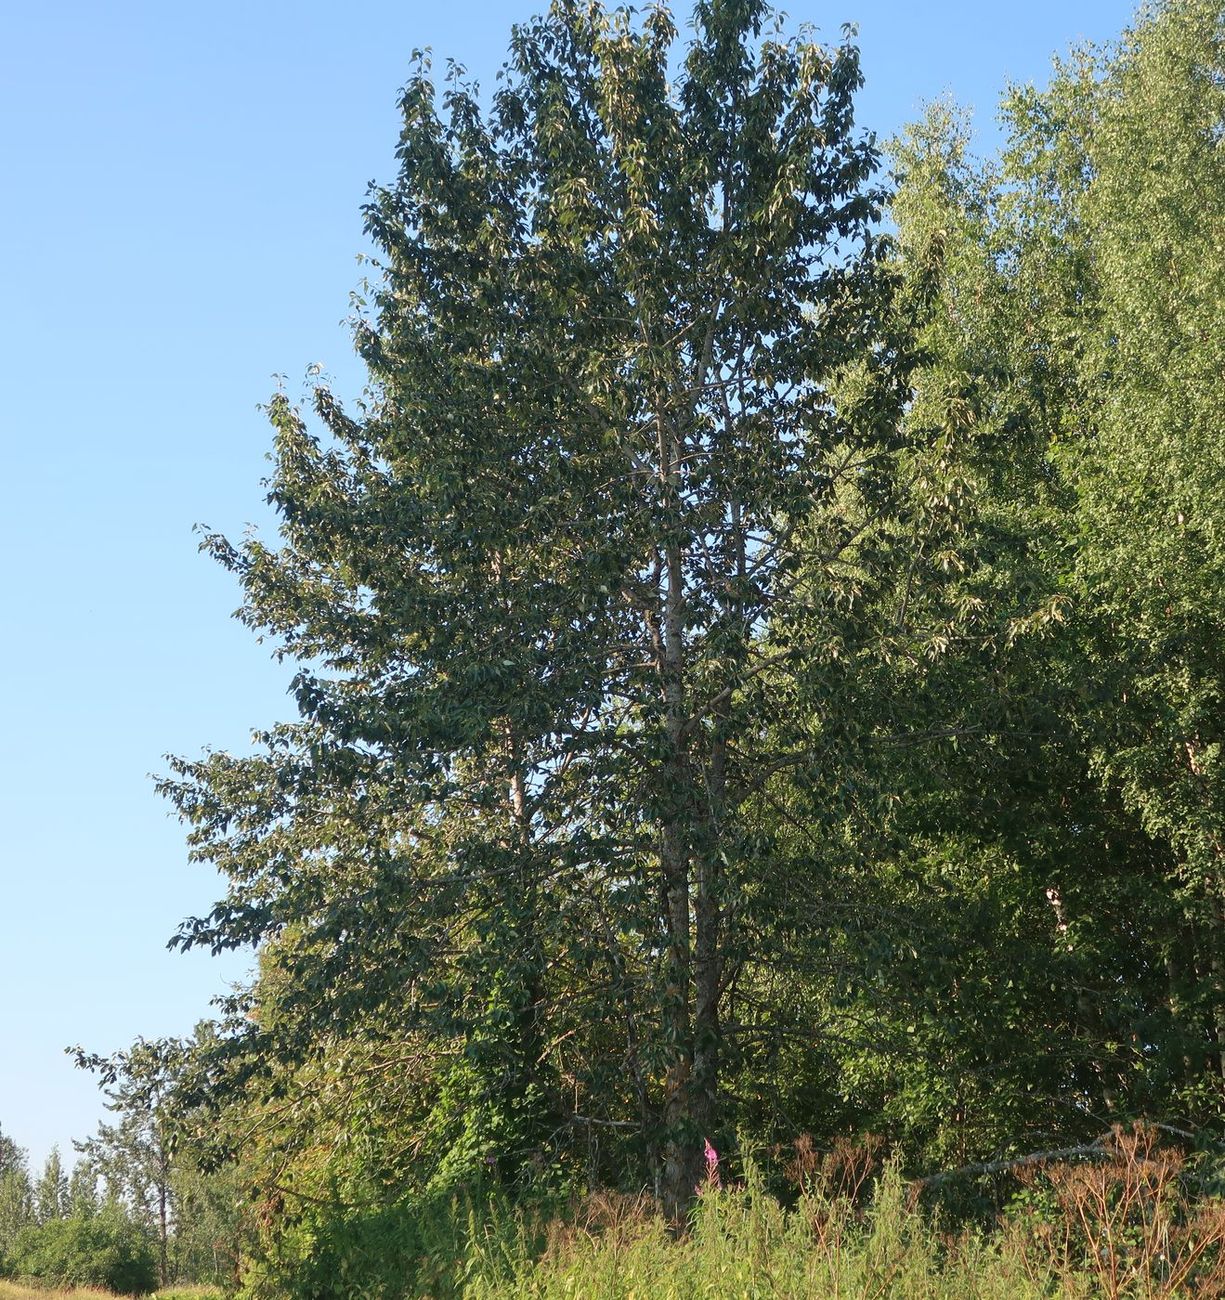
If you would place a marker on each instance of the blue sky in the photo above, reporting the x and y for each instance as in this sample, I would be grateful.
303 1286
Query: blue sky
181 222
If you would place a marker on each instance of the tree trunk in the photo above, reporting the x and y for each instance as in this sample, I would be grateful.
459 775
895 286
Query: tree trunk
163 1224
680 1145
681 1159
525 1088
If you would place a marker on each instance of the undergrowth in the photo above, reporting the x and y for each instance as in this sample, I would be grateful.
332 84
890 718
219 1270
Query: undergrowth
1124 1223
1132 1219
744 1243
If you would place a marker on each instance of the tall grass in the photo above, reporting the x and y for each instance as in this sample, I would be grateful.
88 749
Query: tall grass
1124 1225
745 1244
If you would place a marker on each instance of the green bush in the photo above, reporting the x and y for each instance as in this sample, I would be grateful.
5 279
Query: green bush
106 1249
425 1246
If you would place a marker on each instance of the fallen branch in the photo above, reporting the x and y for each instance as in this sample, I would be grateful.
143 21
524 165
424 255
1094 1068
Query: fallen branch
1095 1150
1098 1149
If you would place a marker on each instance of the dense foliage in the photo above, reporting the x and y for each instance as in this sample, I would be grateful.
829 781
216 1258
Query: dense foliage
1079 330
105 1249
1064 1240
757 674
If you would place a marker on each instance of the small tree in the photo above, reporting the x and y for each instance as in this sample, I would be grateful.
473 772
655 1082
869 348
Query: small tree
83 1189
135 1156
11 1155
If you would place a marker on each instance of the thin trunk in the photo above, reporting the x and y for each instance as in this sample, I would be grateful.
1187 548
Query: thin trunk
707 978
680 1149
522 1088
708 910
1216 941
1174 983
633 1046
163 1222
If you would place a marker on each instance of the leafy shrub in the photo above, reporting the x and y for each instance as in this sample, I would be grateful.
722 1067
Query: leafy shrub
107 1249
410 1247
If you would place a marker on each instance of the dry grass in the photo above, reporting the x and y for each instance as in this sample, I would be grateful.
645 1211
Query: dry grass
33 1291
29 1291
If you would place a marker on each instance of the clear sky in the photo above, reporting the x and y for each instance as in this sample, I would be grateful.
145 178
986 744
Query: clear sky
180 221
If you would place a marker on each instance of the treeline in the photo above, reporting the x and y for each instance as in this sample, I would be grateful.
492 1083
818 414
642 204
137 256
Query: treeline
759 638
135 1211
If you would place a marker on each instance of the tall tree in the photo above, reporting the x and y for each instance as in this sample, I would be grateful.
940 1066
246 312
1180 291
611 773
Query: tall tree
1112 185
552 583
1152 476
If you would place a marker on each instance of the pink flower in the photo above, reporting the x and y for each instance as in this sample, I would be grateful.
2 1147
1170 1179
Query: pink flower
712 1165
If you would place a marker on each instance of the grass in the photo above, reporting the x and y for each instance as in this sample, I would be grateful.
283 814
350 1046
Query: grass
34 1291
188 1293
31 1291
